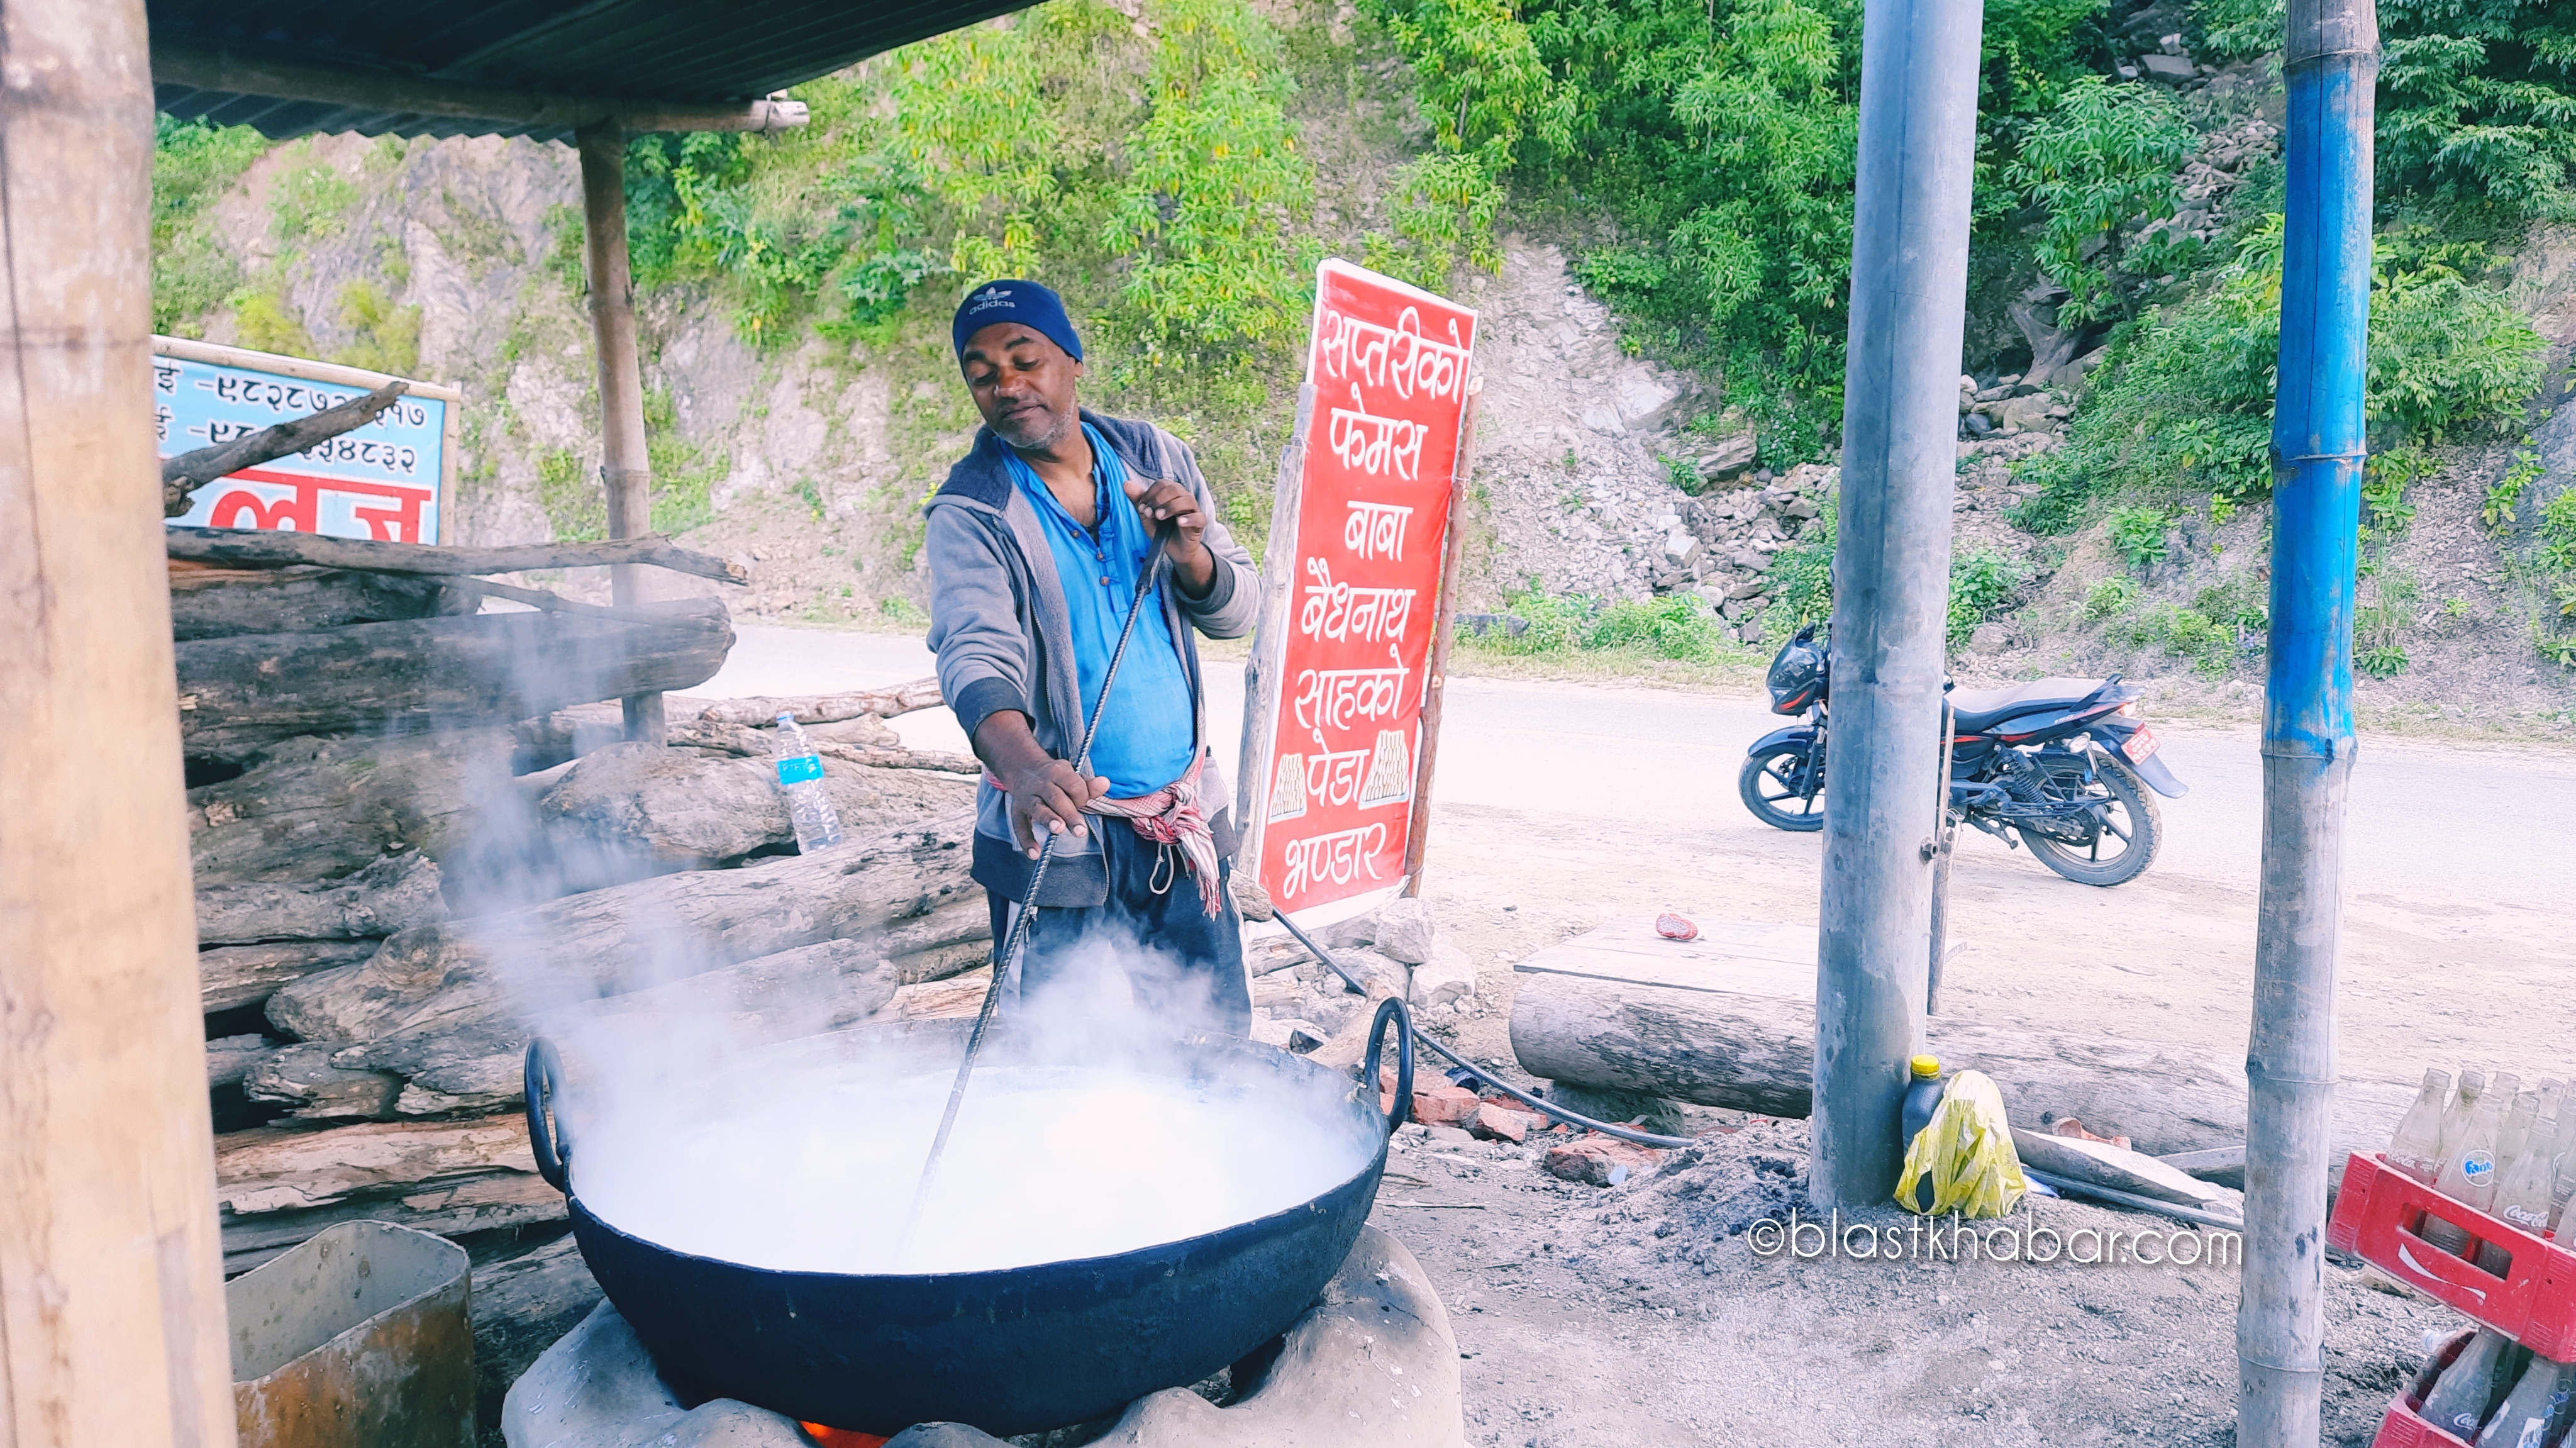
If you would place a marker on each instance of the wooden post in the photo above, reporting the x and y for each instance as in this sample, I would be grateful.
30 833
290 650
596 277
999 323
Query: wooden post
624 468
111 1294
1270 644
1418 831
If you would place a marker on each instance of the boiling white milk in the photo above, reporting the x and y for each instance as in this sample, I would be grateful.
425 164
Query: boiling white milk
1045 1166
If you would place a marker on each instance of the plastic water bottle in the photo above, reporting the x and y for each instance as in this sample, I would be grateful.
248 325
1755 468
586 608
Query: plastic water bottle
2523 1419
2416 1149
800 778
2458 1402
2470 1177
1922 1098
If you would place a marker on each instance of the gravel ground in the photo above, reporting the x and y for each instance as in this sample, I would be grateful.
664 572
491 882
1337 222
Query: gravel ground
1643 1315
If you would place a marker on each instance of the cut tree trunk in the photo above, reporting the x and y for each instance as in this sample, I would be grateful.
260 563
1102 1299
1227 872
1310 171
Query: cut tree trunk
1730 1020
214 603
232 976
313 808
437 978
388 896
885 703
238 695
634 809
279 1185
258 548
476 1067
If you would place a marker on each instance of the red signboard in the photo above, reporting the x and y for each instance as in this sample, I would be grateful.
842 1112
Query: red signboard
1389 365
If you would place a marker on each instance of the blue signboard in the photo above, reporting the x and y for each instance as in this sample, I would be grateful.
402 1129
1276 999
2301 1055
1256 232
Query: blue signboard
385 480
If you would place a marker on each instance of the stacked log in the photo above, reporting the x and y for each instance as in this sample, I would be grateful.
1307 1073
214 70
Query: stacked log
419 838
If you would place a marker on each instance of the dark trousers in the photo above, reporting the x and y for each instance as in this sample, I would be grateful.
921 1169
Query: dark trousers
1182 967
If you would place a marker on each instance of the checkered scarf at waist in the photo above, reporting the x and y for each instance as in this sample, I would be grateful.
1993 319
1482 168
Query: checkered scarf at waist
1168 816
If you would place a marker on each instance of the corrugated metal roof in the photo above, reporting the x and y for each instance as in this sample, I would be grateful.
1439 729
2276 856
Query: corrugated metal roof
636 50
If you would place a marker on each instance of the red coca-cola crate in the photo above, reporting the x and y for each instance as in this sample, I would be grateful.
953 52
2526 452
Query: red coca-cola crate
2402 1428
2380 1217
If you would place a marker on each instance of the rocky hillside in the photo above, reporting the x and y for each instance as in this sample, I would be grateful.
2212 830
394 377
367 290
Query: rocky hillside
801 400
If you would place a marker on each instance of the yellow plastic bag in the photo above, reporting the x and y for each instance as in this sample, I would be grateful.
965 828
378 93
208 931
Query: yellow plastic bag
1968 1152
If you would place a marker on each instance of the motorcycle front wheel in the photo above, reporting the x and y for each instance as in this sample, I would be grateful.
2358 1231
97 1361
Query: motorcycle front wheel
1774 788
2131 828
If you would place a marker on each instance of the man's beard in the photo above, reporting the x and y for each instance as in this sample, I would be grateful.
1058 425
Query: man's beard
1037 430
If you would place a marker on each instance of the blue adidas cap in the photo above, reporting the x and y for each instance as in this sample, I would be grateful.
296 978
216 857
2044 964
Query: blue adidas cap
1025 302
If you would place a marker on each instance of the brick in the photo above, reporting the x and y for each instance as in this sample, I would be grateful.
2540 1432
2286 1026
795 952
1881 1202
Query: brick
1599 1160
1444 1105
1495 1124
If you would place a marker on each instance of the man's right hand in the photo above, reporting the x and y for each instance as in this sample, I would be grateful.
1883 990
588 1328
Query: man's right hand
1047 798
1047 794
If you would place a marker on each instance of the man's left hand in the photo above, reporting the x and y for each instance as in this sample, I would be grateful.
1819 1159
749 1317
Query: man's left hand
1174 512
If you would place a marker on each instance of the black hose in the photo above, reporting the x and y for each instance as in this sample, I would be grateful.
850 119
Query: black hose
1570 1118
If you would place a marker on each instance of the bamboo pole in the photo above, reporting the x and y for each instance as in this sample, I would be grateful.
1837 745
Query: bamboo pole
2330 66
111 1295
625 467
1435 684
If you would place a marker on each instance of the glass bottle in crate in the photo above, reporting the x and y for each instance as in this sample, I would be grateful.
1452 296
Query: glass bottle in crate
800 778
2461 1396
2518 1119
2525 1417
2455 1117
2469 1177
2523 1190
2416 1149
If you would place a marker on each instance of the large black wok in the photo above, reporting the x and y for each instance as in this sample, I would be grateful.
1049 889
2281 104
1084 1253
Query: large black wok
1009 1351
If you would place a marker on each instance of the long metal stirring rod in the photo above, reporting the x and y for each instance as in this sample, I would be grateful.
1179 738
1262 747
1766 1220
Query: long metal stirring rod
1005 962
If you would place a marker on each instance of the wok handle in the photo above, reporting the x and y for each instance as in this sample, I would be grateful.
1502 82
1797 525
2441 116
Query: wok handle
1392 1009
547 1134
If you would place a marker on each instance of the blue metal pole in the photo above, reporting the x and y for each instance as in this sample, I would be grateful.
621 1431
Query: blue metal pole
2331 66
1918 142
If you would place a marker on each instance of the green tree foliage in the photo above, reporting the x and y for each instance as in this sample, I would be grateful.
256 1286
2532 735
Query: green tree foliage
2477 102
1216 184
1724 141
1489 98
2185 400
2101 161
2477 98
193 165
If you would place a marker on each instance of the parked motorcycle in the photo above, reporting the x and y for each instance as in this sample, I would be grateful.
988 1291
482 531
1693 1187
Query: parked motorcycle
2060 765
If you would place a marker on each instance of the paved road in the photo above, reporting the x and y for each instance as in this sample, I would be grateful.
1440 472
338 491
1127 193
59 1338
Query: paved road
1574 803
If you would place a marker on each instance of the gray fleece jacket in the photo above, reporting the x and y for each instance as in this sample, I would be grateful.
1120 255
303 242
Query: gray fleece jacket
999 625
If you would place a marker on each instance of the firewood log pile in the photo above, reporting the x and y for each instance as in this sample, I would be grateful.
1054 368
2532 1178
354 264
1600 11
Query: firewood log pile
419 836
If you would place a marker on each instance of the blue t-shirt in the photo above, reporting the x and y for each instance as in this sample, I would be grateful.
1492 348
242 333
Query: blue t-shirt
1147 735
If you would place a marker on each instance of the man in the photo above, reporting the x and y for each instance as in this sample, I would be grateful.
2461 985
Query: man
1037 542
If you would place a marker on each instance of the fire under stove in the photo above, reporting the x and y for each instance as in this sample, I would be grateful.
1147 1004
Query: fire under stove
1371 1365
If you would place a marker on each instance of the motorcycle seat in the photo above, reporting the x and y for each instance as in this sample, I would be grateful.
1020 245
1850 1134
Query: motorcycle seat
1981 709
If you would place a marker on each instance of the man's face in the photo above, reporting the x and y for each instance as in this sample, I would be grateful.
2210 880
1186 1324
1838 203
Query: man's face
1023 384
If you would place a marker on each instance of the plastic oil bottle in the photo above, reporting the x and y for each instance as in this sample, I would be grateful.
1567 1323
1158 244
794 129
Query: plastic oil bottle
1922 1098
